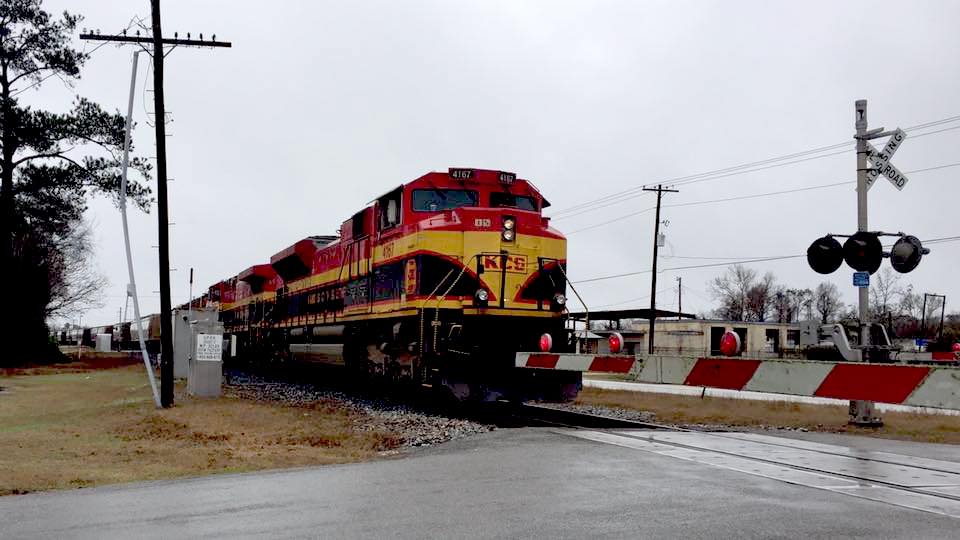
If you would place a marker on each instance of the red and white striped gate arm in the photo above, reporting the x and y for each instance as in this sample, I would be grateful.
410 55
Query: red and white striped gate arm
608 363
922 386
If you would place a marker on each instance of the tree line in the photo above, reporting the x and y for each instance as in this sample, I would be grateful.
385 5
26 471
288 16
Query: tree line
51 163
745 295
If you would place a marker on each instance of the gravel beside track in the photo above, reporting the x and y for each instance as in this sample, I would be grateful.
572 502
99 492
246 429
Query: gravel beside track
414 427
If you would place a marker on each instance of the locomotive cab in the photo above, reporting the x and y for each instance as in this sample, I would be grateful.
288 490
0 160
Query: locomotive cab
489 224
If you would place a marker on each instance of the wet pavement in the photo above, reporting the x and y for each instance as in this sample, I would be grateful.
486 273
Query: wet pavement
534 482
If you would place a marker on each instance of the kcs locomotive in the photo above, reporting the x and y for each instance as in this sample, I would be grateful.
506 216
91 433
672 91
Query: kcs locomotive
439 283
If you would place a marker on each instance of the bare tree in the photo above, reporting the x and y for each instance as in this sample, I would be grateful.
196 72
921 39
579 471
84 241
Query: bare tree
826 299
802 302
75 284
760 298
782 305
849 312
885 293
730 289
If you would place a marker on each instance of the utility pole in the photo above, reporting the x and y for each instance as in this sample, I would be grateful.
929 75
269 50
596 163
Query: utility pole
862 412
679 296
653 279
158 41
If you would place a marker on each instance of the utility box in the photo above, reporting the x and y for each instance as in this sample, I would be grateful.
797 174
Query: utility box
103 342
184 325
206 365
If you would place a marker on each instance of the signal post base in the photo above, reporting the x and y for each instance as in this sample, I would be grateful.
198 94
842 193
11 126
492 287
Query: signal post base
864 414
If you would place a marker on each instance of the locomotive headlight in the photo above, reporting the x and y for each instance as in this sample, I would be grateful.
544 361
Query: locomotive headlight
509 223
560 299
480 297
508 235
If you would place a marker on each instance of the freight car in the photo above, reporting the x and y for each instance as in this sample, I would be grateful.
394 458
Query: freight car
437 283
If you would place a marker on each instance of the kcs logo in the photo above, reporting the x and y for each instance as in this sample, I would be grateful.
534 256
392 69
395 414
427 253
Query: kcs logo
515 264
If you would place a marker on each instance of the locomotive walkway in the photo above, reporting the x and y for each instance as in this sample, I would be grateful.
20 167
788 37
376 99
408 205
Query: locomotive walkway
539 482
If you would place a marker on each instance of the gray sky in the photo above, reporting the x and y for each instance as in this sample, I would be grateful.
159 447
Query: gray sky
321 106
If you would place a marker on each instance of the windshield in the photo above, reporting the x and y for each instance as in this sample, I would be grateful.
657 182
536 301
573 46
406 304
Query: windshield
436 200
498 199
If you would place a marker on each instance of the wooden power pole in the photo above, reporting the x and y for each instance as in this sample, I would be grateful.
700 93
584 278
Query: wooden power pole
166 321
653 279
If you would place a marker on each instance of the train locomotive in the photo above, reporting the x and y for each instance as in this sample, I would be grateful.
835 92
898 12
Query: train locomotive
437 283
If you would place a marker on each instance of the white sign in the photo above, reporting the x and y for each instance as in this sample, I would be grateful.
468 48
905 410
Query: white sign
881 161
209 347
897 178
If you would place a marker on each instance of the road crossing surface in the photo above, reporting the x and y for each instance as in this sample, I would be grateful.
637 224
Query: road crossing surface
539 482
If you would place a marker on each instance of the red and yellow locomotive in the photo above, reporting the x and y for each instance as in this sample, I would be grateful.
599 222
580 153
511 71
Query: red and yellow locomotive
438 282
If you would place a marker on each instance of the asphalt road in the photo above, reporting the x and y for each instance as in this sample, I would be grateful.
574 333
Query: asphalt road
524 482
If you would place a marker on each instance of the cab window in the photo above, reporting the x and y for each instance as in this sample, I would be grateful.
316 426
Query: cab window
437 200
509 200
389 206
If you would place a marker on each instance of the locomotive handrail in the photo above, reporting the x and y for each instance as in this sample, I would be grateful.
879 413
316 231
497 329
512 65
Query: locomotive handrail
436 310
586 310
423 303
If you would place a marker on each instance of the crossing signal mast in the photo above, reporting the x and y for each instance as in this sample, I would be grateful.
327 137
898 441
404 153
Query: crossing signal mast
862 250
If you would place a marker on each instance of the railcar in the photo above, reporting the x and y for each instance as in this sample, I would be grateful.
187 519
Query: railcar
151 334
438 283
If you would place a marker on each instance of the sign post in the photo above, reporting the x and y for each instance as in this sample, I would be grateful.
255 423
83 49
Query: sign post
862 412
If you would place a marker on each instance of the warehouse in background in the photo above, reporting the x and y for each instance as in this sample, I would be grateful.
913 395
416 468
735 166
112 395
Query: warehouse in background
684 334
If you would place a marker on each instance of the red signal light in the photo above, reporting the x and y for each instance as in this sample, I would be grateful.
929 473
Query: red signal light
863 252
730 344
616 342
546 343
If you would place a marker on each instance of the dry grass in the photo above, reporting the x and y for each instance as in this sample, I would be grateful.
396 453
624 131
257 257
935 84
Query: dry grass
78 428
674 409
89 360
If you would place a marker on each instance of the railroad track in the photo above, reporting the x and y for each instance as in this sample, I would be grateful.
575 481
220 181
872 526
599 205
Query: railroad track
906 481
901 480
533 414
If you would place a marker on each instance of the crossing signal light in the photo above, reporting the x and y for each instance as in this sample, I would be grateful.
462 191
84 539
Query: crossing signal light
825 255
863 252
906 254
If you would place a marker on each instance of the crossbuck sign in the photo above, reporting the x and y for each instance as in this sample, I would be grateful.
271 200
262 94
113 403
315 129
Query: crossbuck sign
881 161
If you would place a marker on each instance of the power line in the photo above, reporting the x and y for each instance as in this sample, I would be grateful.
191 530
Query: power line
739 169
639 191
712 201
753 196
681 179
644 297
731 263
614 220
709 258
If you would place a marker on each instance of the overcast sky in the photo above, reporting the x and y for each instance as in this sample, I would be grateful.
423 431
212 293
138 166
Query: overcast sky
321 106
